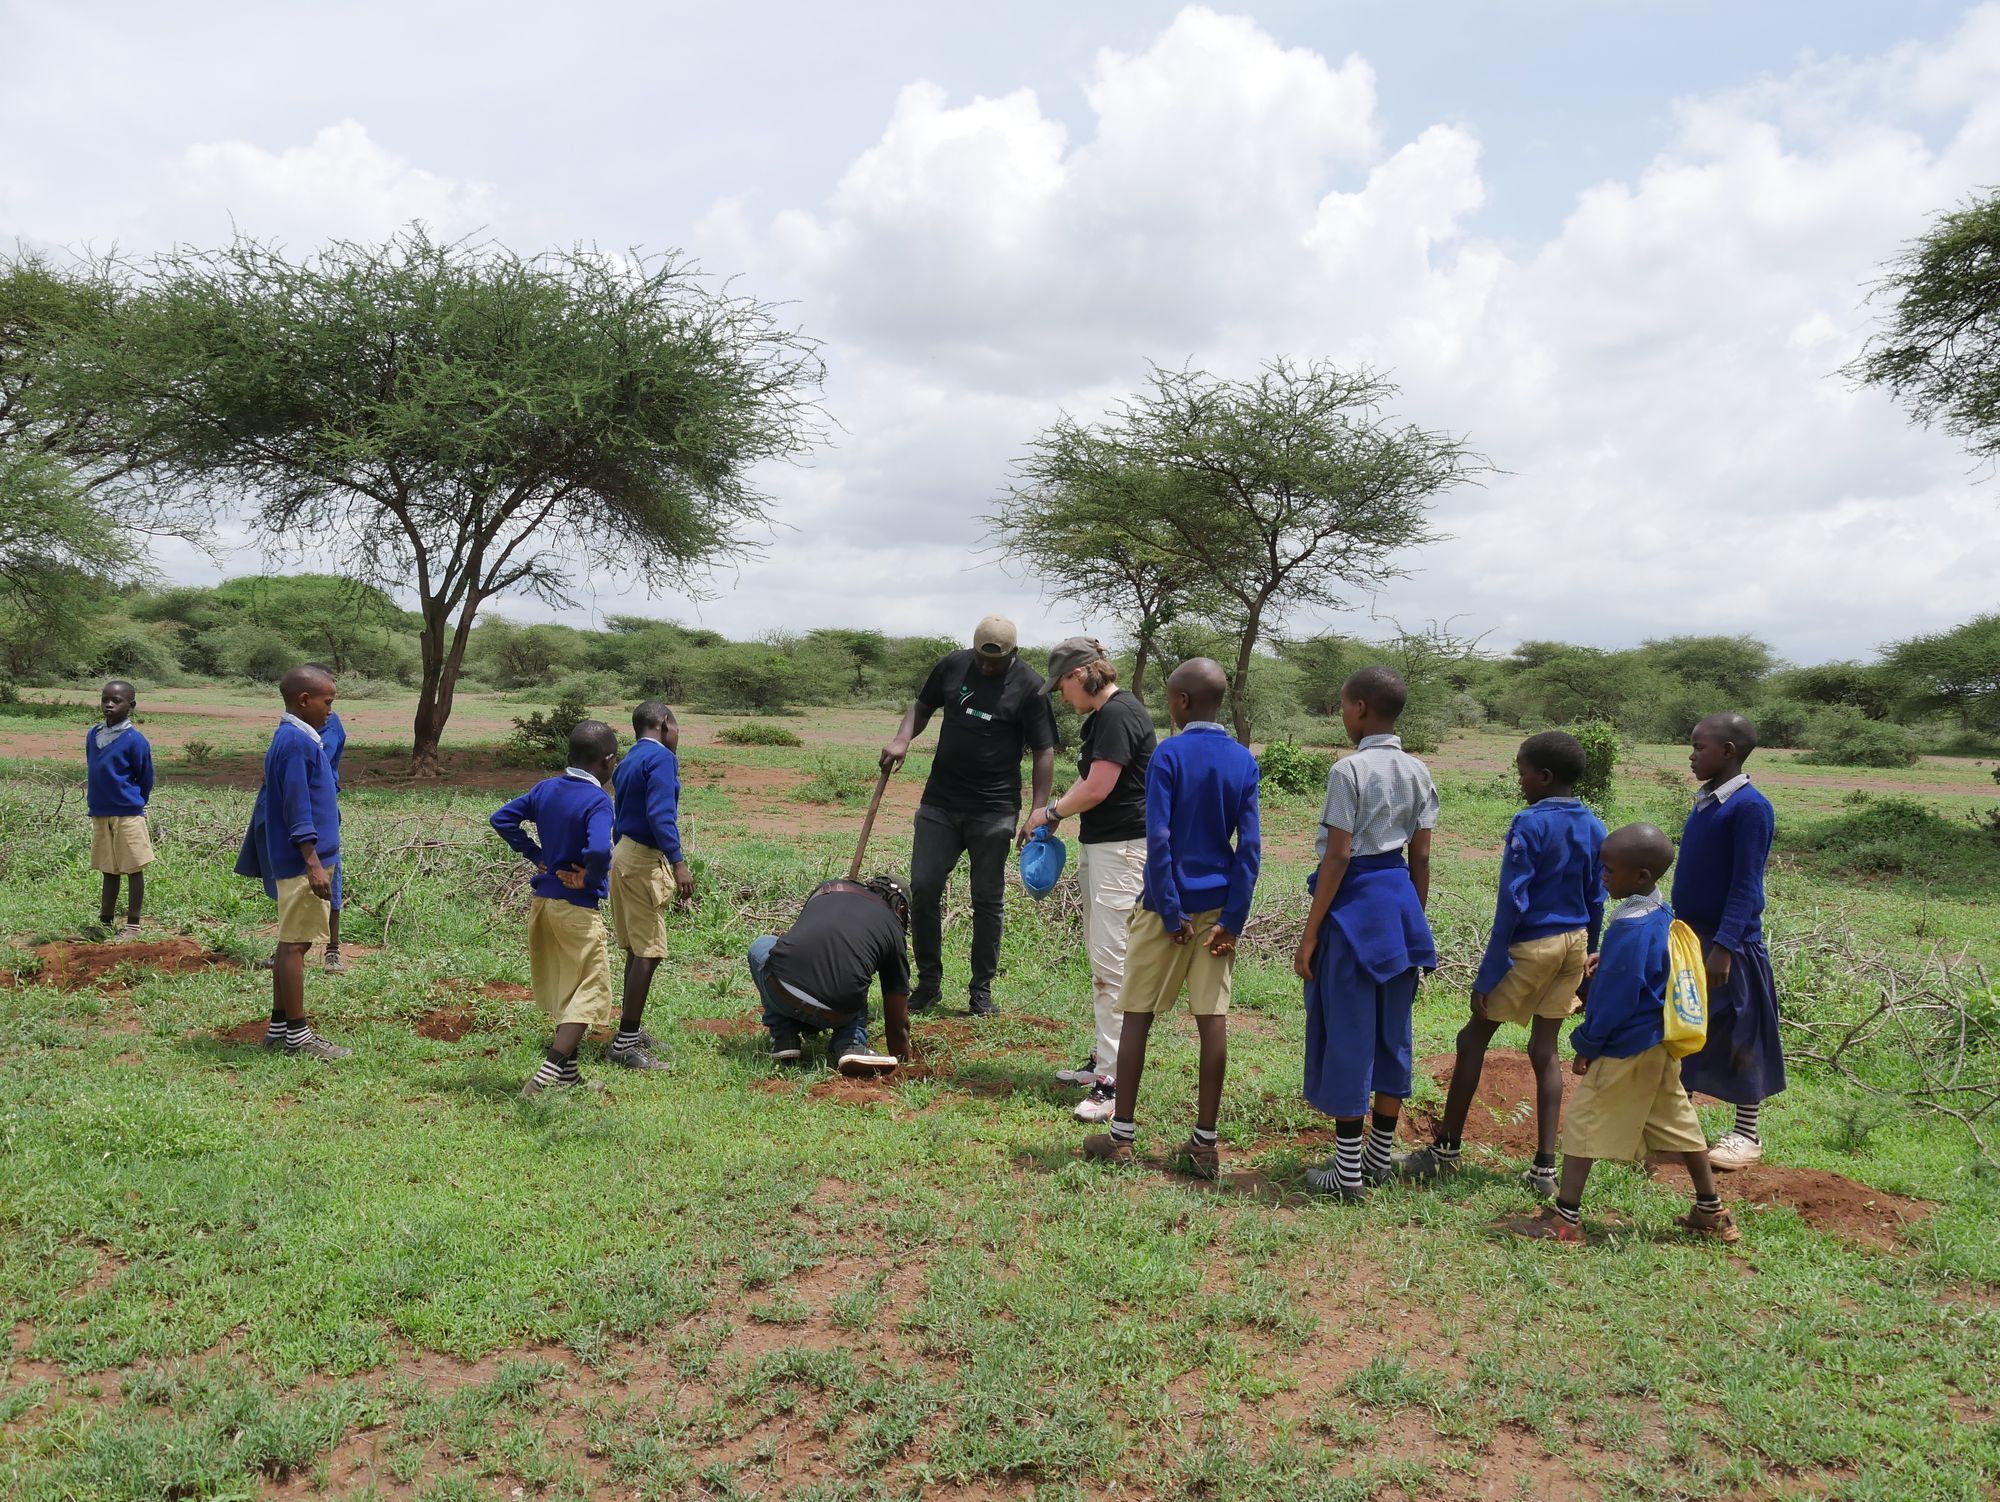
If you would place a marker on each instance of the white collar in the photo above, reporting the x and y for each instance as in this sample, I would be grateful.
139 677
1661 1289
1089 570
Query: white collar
292 719
109 733
1721 792
581 776
1370 742
1205 725
1637 906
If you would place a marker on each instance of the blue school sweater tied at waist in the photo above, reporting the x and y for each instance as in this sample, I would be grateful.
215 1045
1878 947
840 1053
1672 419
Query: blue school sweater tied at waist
1377 912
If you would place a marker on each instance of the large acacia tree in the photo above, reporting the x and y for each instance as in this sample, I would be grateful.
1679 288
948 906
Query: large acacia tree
1291 489
454 419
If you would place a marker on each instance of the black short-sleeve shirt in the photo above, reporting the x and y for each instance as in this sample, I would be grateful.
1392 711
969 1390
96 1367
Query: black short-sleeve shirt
841 940
982 732
1122 731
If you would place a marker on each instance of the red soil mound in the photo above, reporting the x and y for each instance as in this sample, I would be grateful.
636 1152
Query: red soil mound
70 967
447 1024
1502 1117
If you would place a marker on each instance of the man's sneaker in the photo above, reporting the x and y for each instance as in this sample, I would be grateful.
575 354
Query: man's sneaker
1546 1225
1203 1160
1716 1225
1541 1181
638 1056
1325 1180
1100 1103
316 1047
1423 1165
980 1004
924 997
1084 1073
1106 1148
785 1048
1734 1151
864 1065
335 965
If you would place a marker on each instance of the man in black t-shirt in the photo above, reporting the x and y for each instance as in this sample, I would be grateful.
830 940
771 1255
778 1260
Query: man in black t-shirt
815 975
992 708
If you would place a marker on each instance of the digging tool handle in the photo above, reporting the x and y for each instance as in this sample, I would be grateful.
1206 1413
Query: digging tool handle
868 825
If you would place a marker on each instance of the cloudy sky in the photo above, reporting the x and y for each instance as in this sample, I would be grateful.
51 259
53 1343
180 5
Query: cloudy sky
1622 246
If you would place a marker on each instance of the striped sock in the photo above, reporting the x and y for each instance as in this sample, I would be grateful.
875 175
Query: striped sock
276 1032
1708 1204
1746 1121
1347 1154
1204 1138
549 1074
1123 1131
1381 1145
1447 1149
626 1038
1570 1214
298 1032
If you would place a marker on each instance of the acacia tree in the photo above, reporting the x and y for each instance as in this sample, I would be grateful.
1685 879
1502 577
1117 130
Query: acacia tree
1086 527
1957 671
1939 349
452 418
1287 490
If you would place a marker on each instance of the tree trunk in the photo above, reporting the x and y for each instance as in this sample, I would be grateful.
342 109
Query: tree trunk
440 682
1239 687
1139 657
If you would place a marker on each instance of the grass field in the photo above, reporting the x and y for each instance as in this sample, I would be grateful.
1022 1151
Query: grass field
233 1275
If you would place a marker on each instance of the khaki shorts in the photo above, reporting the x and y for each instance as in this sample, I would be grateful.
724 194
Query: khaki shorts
1543 981
1622 1106
302 917
120 844
642 884
1156 967
566 960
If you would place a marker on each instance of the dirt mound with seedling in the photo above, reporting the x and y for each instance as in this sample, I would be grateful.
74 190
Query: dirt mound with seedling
1503 1118
447 1024
70 966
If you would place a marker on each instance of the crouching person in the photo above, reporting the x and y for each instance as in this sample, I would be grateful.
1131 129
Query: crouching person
814 977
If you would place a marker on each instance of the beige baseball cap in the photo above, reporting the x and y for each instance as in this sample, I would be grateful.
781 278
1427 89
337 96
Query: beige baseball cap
995 637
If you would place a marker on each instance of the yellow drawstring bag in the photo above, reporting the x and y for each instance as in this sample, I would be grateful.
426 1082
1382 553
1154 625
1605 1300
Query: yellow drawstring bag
1686 1009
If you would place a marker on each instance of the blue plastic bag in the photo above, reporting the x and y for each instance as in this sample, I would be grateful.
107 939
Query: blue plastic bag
1042 862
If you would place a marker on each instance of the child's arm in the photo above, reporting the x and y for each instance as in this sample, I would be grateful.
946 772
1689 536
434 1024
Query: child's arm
1420 866
1750 848
663 815
145 771
1242 873
1517 869
1593 903
597 842
1332 871
1160 849
506 822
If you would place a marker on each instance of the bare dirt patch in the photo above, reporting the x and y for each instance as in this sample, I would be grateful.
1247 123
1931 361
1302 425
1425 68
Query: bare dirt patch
723 1027
446 1024
1502 1117
245 1034
70 966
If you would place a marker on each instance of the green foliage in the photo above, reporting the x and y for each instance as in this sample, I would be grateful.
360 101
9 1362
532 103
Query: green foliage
1862 686
1898 835
542 738
1848 738
198 753
836 779
1290 768
1600 743
1955 671
1783 722
757 733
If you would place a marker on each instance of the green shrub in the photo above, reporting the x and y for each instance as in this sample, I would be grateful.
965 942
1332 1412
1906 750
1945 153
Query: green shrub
583 687
1600 761
197 753
542 740
757 733
742 676
1845 737
1897 835
1784 722
835 780
1289 767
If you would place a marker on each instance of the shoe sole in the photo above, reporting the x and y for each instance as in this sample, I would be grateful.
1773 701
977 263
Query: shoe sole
866 1066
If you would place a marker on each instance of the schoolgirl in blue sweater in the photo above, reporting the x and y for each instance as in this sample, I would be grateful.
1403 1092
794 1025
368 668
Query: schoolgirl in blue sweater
118 763
1719 893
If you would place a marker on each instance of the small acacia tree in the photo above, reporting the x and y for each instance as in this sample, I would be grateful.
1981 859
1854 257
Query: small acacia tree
1938 351
1287 490
453 418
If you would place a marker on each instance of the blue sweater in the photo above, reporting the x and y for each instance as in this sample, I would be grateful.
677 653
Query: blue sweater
1625 1013
646 791
1201 793
1550 882
118 778
333 741
573 818
1719 878
300 803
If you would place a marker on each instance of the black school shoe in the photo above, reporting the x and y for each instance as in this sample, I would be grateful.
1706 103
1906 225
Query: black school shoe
980 1004
924 997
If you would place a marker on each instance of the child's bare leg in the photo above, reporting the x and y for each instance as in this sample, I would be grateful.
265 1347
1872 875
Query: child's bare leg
1703 1175
569 1038
135 897
288 981
639 970
1466 1069
1543 1034
1131 1062
1575 1172
332 930
1389 1106
107 905
1214 1035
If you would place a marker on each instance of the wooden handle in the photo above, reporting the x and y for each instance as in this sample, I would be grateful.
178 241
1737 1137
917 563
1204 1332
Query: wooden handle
868 826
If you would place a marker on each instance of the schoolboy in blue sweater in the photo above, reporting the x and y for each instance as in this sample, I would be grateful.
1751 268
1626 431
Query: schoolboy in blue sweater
1202 852
1366 942
118 779
300 855
647 870
566 959
249 860
1546 920
1631 1098
1719 893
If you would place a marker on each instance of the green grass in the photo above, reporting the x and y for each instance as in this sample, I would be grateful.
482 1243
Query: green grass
231 1272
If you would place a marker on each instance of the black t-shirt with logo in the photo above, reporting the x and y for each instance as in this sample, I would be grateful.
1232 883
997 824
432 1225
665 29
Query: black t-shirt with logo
984 724
841 940
1122 731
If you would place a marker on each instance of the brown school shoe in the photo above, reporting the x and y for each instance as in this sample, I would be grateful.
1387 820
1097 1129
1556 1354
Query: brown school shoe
1106 1148
1716 1225
1546 1225
1191 1157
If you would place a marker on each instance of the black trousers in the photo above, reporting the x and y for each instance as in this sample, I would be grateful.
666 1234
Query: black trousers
939 840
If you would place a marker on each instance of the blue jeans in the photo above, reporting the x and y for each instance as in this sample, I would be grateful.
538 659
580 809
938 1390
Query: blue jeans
786 1019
